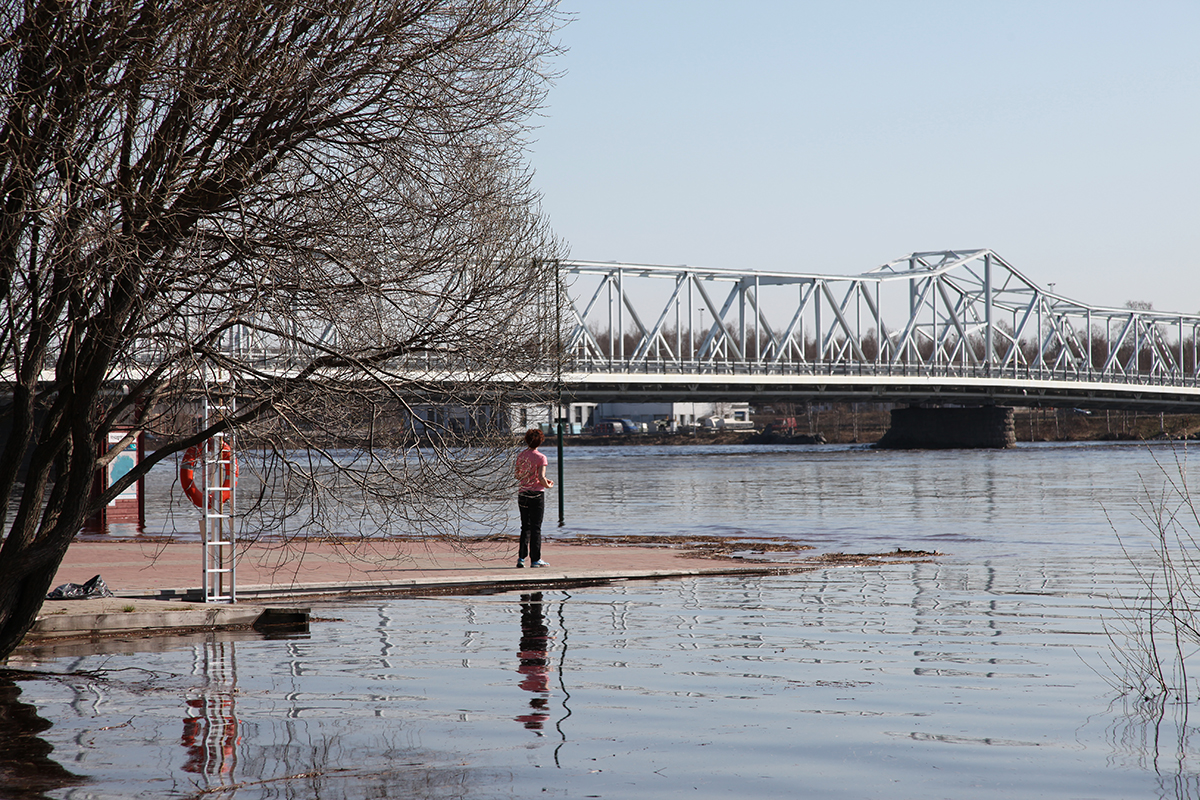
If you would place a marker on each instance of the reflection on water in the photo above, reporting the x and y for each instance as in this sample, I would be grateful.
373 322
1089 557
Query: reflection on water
912 680
977 675
116 715
210 726
534 663
26 768
1155 734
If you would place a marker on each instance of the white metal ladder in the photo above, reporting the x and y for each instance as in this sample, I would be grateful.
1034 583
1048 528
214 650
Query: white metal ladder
218 521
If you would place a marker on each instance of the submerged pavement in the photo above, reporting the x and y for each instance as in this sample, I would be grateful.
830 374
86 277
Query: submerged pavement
157 585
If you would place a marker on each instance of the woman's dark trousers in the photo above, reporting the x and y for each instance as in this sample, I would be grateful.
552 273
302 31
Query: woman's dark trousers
533 507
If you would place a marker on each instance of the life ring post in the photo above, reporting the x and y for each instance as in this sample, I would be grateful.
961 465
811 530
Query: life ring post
221 477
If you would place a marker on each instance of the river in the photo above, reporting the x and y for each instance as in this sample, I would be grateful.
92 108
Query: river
979 673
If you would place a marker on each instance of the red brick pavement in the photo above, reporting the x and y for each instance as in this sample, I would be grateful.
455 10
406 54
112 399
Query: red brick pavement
131 567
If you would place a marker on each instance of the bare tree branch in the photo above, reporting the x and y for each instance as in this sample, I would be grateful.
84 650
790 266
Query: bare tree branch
320 210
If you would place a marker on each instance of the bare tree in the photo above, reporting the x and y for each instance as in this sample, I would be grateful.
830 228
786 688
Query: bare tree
318 215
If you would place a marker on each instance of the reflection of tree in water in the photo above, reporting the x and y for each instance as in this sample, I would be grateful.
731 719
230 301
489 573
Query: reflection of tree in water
534 664
291 756
1153 734
320 768
26 769
291 746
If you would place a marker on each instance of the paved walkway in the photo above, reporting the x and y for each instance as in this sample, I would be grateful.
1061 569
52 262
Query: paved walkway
152 580
306 568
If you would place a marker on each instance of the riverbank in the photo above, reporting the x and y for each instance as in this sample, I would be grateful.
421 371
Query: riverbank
843 424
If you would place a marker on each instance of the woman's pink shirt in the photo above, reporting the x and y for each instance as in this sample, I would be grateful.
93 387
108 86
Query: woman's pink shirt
529 467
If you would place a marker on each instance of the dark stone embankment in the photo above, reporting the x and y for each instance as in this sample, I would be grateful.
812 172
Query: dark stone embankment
944 428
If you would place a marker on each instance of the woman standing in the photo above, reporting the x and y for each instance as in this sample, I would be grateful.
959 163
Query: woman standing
531 498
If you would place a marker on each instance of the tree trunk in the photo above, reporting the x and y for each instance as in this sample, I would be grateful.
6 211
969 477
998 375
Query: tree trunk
27 581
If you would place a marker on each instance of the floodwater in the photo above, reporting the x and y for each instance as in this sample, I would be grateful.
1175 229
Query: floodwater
978 674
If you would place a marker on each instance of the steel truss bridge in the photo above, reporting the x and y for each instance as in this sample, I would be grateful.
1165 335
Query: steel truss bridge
951 327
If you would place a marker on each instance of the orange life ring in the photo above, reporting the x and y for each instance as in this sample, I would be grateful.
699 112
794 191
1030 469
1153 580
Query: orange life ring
226 474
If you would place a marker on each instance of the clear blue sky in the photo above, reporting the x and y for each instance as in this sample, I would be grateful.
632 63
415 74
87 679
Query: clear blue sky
834 136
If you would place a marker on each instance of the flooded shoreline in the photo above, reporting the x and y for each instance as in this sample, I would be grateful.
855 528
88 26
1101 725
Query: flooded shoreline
849 683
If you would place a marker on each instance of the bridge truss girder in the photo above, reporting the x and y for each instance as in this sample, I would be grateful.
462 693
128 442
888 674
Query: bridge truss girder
950 315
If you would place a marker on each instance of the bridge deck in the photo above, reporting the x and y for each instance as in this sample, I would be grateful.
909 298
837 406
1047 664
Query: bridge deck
898 388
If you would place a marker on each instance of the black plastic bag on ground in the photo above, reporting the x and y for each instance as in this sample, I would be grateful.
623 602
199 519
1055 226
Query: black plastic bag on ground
94 588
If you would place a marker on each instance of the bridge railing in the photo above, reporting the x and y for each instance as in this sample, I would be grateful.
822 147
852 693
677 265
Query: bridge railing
939 314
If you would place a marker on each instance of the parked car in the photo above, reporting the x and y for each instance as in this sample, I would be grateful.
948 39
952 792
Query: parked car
609 427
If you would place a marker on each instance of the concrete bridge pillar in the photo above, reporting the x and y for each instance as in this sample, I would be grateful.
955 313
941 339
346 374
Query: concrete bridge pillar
940 428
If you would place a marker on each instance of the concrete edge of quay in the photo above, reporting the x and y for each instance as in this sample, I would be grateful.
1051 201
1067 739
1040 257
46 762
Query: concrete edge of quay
268 607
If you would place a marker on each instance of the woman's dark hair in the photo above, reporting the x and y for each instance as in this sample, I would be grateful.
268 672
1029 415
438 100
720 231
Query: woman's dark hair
534 437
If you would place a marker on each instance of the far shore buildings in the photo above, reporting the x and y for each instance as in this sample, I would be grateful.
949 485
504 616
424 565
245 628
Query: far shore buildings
649 417
580 417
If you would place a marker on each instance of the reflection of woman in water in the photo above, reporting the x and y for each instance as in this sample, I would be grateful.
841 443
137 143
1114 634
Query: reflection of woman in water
534 665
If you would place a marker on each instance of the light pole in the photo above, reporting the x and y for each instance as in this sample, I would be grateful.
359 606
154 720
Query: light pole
558 359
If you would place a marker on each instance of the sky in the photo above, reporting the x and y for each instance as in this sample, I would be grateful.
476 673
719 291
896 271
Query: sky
834 136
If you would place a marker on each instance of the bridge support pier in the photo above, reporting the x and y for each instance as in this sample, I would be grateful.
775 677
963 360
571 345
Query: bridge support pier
915 428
